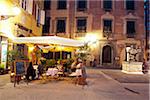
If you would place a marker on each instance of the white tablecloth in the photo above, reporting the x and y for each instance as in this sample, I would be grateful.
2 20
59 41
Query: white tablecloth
78 72
52 71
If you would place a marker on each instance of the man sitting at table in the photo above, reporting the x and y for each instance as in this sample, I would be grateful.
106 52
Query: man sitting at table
60 69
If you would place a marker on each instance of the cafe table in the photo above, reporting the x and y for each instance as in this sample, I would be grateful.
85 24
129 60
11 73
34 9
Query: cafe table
52 71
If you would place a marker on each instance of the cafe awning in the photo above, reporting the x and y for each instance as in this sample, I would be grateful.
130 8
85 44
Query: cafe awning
47 40
51 48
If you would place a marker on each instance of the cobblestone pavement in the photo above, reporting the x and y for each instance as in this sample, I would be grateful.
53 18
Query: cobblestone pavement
100 87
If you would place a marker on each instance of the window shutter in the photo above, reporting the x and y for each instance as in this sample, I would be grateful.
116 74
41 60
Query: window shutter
20 2
42 17
30 6
37 8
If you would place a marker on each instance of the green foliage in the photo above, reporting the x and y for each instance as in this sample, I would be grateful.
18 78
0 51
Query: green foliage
85 47
67 62
50 63
15 55
2 66
43 62
83 52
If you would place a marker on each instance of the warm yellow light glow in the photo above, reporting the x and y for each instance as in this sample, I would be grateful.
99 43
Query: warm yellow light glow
60 48
94 45
8 9
6 28
3 7
90 38
16 10
31 48
45 50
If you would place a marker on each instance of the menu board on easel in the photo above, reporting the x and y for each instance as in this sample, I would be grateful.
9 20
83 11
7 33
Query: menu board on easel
20 66
19 69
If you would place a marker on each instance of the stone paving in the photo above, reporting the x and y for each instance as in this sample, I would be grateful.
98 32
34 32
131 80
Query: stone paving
4 79
126 78
100 87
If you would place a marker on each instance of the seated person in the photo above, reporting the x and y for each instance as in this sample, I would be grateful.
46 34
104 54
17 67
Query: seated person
60 70
73 66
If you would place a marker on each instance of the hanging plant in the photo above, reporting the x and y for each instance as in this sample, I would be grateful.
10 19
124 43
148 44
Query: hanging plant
83 52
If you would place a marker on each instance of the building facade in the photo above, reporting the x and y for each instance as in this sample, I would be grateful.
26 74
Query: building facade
118 26
24 19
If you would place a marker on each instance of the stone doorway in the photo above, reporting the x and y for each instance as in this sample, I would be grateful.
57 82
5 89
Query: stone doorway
106 54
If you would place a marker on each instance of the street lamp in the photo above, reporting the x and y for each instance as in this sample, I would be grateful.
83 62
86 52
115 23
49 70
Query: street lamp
90 39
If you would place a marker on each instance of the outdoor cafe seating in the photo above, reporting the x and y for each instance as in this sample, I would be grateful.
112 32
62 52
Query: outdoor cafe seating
52 71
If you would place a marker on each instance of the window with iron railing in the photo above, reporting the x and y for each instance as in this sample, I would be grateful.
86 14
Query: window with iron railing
130 29
81 25
107 27
81 29
61 26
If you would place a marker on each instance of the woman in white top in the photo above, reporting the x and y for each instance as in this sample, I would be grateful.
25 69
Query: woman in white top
81 73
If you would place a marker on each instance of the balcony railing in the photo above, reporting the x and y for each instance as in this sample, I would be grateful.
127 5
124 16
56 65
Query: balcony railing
107 32
81 29
81 9
107 9
80 34
130 35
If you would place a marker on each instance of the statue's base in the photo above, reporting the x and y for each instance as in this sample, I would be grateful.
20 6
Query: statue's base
132 67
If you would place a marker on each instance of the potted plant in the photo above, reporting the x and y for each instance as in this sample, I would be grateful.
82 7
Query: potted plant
83 52
50 63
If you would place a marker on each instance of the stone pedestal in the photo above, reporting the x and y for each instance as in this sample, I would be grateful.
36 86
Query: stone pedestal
132 67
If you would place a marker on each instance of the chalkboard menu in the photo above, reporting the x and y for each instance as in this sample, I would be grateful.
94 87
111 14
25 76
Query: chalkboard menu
20 67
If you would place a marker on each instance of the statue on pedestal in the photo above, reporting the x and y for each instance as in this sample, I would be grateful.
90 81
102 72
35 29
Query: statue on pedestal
134 54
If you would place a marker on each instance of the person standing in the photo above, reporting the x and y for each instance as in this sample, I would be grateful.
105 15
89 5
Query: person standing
81 73
145 67
94 63
40 69
30 72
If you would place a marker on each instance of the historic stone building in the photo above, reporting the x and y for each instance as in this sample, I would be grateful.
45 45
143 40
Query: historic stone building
117 24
